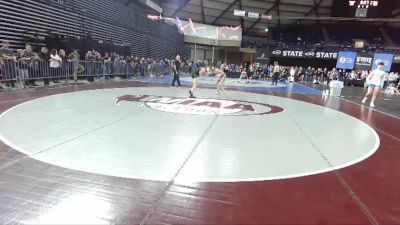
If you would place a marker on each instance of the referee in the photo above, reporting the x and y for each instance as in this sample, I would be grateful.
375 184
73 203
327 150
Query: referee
175 70
276 72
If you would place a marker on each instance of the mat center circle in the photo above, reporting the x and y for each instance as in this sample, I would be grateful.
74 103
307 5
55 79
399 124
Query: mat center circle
158 133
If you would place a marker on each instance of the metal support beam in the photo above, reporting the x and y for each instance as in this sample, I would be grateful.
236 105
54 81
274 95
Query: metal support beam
393 16
203 17
273 1
255 10
195 52
223 12
396 14
317 13
212 56
279 13
316 9
184 3
259 19
241 18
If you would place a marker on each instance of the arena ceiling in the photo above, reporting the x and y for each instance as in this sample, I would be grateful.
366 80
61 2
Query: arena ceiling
220 12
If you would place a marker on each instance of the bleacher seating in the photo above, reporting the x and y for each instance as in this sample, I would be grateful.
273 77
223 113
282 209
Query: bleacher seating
393 33
103 19
298 35
345 34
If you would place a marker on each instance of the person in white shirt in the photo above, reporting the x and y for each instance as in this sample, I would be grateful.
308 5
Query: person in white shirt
276 73
55 65
391 87
243 75
364 74
392 78
353 75
222 66
375 82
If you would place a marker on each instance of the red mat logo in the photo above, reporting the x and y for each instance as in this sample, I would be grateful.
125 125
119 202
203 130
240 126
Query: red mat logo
201 106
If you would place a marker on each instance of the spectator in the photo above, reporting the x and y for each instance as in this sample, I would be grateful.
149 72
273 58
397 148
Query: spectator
107 63
301 73
162 67
353 75
334 74
64 64
22 67
308 74
265 72
392 78
136 66
325 75
55 65
90 58
149 67
243 75
143 65
44 64
129 66
26 58
7 63
74 58
117 64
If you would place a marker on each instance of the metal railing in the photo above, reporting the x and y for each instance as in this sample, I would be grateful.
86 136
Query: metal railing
26 71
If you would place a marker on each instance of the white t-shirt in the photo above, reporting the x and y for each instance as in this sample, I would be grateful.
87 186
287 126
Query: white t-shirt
353 75
393 77
276 69
292 72
376 77
55 61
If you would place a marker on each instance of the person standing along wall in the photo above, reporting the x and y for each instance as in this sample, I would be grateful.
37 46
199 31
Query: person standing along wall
64 64
74 58
55 65
8 63
45 65
26 57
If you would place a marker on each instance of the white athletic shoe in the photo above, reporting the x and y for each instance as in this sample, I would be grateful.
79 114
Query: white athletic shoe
372 104
364 100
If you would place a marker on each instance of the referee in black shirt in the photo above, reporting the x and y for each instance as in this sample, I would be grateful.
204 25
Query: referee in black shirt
175 70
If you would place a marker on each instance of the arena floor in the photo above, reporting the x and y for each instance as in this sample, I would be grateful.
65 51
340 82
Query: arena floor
141 152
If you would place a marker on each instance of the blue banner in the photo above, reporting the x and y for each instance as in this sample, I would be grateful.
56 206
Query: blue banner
383 57
346 60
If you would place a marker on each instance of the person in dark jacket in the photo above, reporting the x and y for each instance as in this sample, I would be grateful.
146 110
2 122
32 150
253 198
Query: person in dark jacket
175 69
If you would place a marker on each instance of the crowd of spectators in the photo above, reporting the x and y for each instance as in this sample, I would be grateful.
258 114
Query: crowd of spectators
26 67
308 74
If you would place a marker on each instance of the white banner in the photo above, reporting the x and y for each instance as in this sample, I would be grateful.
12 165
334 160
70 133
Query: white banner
239 12
253 15
189 28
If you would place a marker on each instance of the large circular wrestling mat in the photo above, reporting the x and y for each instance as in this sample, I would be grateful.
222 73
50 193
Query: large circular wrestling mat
157 133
